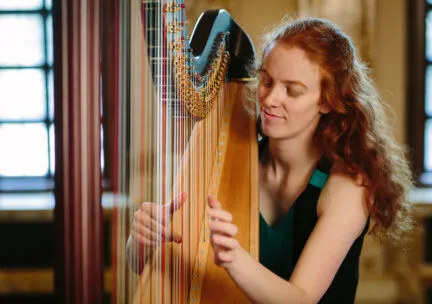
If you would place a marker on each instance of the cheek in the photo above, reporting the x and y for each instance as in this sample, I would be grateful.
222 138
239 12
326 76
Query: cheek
302 111
261 93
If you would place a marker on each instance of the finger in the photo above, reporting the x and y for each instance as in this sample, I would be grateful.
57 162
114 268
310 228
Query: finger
159 236
213 202
223 256
147 233
227 243
173 206
178 202
228 229
148 221
142 240
174 237
219 214
154 211
158 213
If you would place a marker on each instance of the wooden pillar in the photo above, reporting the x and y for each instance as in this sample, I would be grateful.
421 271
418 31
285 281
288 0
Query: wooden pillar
78 211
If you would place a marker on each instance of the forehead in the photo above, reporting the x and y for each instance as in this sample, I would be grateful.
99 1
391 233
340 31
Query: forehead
291 63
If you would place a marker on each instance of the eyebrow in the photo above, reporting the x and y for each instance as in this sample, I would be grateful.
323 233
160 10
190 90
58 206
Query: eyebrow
286 82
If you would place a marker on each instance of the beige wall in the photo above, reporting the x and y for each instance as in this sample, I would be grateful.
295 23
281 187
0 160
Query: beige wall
390 59
256 16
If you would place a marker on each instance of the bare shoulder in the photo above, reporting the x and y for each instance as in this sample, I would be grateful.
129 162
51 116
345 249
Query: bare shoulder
342 217
344 197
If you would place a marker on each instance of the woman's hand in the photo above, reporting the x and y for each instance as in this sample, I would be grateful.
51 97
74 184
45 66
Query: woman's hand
222 233
151 221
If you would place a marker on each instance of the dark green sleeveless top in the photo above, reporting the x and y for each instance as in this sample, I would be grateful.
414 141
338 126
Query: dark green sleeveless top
282 244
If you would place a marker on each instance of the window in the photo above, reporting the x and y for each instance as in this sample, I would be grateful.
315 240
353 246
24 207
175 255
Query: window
26 96
428 88
419 109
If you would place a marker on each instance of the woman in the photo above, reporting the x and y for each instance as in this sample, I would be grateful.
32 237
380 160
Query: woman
327 165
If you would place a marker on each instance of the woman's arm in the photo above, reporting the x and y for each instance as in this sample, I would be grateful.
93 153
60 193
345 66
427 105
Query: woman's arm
135 255
342 215
149 228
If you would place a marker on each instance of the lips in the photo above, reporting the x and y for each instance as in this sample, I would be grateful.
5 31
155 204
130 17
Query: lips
269 116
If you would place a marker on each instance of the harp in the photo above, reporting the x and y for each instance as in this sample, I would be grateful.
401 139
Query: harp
181 126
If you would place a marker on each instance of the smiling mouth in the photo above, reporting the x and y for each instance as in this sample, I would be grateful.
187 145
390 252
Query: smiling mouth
269 116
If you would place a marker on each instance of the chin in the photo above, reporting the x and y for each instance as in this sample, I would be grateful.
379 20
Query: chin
268 131
277 133
271 133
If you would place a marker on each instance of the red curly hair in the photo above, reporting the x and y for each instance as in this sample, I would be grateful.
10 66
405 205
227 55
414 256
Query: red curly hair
355 132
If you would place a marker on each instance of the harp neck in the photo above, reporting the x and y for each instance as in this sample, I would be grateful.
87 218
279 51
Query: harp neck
185 83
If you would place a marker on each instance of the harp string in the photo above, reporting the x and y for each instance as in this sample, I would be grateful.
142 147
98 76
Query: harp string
120 205
154 131
178 135
139 135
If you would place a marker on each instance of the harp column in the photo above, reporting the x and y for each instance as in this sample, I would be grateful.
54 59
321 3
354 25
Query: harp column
78 211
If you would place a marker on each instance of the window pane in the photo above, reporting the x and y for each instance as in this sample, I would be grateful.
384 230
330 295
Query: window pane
48 4
102 151
428 145
428 91
20 4
24 150
429 35
51 94
22 41
22 94
50 43
52 149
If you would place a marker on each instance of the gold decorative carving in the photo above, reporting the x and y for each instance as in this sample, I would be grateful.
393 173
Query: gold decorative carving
199 101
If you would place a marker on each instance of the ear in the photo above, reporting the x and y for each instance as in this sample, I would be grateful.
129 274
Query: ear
324 108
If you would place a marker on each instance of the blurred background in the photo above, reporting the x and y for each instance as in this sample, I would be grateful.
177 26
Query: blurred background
394 37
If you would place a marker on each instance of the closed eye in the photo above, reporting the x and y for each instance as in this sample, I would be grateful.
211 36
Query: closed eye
267 83
265 79
293 92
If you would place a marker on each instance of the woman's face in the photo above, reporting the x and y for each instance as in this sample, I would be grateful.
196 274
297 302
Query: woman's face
289 93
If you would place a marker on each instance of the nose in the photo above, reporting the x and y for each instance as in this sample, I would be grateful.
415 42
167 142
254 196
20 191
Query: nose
272 97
